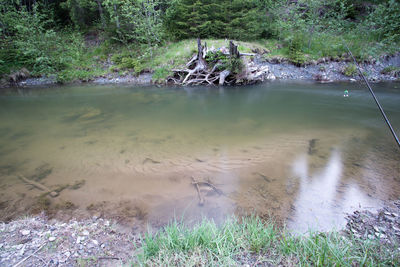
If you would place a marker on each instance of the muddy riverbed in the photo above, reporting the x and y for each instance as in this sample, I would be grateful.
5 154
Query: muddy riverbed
300 152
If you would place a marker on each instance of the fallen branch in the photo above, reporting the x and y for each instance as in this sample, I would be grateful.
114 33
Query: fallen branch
38 186
33 254
209 184
196 184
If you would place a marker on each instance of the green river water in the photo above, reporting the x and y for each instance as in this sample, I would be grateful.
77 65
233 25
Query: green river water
300 152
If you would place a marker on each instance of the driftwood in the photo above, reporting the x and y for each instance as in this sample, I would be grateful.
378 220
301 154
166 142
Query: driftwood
38 186
196 184
198 72
209 184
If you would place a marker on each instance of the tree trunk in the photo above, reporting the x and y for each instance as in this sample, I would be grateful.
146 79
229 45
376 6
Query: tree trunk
233 50
100 8
116 16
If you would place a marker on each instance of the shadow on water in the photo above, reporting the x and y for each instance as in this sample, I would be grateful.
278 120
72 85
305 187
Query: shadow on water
299 152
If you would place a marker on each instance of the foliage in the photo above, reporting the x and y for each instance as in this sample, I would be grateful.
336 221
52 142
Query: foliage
350 70
236 19
160 74
234 65
31 43
136 20
384 21
83 13
50 37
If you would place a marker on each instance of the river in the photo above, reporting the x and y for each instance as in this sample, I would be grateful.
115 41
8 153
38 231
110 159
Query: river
300 152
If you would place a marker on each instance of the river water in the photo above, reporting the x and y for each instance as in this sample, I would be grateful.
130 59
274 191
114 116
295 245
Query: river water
300 152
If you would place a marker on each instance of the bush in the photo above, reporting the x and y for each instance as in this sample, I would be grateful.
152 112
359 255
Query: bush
384 21
296 55
160 74
350 70
234 65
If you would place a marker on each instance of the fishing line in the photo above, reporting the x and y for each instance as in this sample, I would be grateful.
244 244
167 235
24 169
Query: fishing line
376 100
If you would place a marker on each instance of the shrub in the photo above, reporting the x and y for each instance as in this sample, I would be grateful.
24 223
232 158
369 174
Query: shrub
350 70
296 55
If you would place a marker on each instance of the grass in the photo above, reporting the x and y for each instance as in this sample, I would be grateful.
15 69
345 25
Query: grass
253 241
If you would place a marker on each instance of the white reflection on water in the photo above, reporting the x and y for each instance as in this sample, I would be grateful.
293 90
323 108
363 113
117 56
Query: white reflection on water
319 204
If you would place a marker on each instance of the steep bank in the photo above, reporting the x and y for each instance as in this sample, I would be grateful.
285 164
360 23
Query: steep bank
369 239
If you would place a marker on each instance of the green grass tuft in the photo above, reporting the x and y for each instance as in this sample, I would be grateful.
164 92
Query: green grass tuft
253 240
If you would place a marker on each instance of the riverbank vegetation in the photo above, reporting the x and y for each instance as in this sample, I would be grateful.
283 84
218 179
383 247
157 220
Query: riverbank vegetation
254 242
81 39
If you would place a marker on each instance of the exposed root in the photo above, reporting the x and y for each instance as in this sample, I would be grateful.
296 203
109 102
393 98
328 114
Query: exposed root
197 71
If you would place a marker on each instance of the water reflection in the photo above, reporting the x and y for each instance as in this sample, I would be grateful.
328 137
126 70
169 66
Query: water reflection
323 199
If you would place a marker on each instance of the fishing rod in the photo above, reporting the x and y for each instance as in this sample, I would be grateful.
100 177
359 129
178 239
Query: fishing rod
376 100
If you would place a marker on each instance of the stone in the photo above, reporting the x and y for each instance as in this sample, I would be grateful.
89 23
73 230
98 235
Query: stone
85 232
80 239
25 232
94 241
381 236
52 238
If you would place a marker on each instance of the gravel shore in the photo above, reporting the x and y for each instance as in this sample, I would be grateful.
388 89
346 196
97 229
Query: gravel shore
36 241
322 70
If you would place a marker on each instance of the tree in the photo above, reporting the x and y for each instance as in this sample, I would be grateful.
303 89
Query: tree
136 20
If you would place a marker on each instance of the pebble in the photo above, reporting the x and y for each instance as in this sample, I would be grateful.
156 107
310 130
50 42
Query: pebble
80 239
85 232
52 238
94 241
25 232
381 236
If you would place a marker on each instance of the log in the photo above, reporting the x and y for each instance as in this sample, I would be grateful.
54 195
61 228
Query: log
38 186
223 76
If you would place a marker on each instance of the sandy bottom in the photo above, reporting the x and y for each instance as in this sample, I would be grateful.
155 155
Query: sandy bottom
134 163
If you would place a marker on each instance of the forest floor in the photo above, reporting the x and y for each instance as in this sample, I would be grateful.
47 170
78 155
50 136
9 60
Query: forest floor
369 239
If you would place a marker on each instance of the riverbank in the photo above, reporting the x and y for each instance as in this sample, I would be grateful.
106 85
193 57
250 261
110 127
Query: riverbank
122 67
369 239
